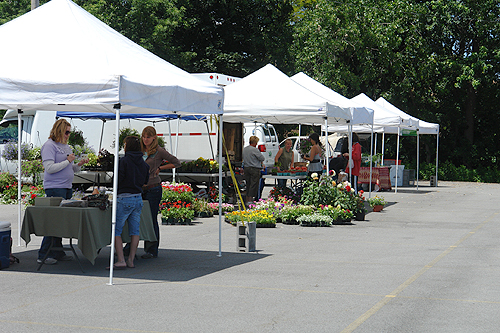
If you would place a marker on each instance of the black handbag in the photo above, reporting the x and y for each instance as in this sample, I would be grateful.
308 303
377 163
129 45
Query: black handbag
97 200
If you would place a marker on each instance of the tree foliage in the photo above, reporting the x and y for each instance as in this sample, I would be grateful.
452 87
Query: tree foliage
436 60
235 37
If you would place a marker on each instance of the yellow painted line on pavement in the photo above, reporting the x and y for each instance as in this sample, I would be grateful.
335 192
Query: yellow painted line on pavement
360 320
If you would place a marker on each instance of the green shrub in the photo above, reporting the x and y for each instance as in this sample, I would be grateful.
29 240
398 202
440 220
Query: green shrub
448 171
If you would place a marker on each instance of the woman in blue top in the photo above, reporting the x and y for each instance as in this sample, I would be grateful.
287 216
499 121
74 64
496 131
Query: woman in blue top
133 173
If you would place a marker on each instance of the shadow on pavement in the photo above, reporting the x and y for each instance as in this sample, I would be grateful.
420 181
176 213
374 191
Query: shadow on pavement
171 265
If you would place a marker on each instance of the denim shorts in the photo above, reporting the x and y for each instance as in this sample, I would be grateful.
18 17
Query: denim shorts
128 208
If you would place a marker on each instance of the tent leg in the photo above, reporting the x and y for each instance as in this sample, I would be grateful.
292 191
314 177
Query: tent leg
115 195
437 155
221 126
418 154
19 180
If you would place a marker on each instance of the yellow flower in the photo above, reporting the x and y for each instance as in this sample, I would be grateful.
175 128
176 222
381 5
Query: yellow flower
334 183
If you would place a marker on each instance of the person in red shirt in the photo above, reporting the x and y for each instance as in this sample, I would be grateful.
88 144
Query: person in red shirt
355 166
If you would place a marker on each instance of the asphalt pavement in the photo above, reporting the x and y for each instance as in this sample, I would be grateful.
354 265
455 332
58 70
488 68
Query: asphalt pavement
429 262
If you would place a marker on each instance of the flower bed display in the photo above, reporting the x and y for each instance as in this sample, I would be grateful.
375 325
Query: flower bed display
315 220
261 217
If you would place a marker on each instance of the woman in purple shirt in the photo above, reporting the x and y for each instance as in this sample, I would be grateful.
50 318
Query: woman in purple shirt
58 158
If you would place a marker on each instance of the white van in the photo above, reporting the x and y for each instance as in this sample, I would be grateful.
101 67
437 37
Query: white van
334 141
268 140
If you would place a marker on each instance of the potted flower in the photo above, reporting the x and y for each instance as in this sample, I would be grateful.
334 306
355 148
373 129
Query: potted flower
359 207
377 203
344 216
177 213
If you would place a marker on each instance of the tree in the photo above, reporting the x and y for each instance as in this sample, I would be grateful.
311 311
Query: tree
235 37
437 60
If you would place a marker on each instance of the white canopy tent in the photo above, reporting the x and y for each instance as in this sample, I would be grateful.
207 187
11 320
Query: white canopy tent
423 128
84 65
384 119
389 126
270 96
358 114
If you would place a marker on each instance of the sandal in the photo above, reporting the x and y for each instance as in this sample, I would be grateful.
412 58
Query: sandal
148 255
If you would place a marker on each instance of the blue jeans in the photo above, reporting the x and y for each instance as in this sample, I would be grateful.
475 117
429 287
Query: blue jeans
65 193
128 209
153 195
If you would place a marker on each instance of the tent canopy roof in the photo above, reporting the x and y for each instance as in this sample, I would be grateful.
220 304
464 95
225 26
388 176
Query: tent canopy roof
358 114
62 58
268 95
424 127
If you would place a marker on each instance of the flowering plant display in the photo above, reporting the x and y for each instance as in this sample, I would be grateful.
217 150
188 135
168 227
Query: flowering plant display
32 168
319 192
283 192
9 194
337 212
34 192
345 214
226 207
10 151
359 202
260 216
304 146
213 194
172 192
291 213
377 201
315 219
177 210
6 179
92 160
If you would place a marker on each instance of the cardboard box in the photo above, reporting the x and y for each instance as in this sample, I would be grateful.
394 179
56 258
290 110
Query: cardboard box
48 201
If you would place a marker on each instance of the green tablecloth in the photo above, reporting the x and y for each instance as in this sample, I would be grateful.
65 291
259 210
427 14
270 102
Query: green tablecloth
91 226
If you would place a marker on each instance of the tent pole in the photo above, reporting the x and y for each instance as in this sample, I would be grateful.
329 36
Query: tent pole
170 136
383 141
102 133
418 153
176 144
371 163
327 159
397 158
437 155
115 195
19 180
350 153
221 126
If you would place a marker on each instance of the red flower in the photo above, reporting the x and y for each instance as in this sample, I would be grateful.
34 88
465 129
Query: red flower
348 188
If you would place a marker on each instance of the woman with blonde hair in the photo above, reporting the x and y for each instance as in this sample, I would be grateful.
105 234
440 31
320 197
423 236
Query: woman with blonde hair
158 159
57 158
